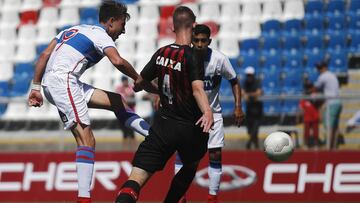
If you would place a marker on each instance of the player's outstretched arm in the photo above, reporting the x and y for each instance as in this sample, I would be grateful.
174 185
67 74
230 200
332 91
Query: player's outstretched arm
238 113
120 63
125 67
35 98
206 120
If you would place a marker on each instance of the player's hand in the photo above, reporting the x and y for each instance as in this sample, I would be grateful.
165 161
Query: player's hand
138 85
156 102
35 98
238 116
206 121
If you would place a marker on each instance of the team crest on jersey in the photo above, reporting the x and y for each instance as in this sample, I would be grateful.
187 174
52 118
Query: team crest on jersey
166 62
69 34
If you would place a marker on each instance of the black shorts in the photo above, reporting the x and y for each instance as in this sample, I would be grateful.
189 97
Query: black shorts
167 136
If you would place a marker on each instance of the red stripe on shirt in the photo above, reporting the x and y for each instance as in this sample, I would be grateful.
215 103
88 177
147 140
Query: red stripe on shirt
70 95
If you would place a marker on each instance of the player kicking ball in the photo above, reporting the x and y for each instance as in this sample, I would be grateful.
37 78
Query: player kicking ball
58 70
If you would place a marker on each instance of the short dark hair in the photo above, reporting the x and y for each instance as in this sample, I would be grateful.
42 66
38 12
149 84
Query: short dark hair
183 17
112 8
202 29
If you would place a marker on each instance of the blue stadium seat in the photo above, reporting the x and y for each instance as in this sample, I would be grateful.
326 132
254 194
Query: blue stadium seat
337 41
313 56
89 16
290 106
355 43
336 23
314 41
314 8
272 107
338 61
292 42
335 7
271 81
235 62
249 60
272 62
24 70
4 92
293 60
354 7
271 28
314 25
271 43
292 27
311 74
292 82
40 48
249 46
354 23
20 86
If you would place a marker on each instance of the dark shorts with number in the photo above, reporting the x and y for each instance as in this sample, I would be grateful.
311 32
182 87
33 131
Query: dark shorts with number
167 136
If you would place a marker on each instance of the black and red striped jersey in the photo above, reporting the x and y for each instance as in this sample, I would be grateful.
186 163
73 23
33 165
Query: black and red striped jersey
175 67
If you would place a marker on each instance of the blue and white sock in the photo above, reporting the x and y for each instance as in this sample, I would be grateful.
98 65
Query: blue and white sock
214 172
133 121
84 168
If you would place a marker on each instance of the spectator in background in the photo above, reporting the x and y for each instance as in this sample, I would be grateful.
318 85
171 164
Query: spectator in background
125 89
254 107
328 84
310 113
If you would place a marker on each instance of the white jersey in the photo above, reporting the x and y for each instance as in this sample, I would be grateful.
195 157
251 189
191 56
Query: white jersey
217 65
77 49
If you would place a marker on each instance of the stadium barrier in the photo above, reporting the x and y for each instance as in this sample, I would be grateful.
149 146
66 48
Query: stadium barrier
248 176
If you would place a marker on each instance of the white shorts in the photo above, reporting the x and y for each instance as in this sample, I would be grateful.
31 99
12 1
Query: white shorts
216 136
70 96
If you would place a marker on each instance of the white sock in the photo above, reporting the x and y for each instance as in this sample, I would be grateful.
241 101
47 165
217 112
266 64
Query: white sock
178 164
84 169
133 121
214 172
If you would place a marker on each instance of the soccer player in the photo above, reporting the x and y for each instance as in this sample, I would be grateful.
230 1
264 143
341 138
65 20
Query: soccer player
58 70
217 66
183 120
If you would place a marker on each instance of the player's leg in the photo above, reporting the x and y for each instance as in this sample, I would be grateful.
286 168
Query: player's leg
181 182
130 190
73 111
215 173
192 145
215 144
85 158
151 156
102 99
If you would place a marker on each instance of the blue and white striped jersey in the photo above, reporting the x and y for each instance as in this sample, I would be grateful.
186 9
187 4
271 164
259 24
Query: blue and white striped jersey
217 66
78 48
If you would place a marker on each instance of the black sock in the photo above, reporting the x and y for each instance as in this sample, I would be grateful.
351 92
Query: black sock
180 184
129 192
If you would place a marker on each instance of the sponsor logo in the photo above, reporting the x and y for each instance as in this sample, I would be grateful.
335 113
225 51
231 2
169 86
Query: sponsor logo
240 177
59 176
166 62
340 178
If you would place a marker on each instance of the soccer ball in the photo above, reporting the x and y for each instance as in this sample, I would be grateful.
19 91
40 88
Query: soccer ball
278 146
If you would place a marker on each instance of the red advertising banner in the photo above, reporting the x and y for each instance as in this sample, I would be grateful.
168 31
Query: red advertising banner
247 176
